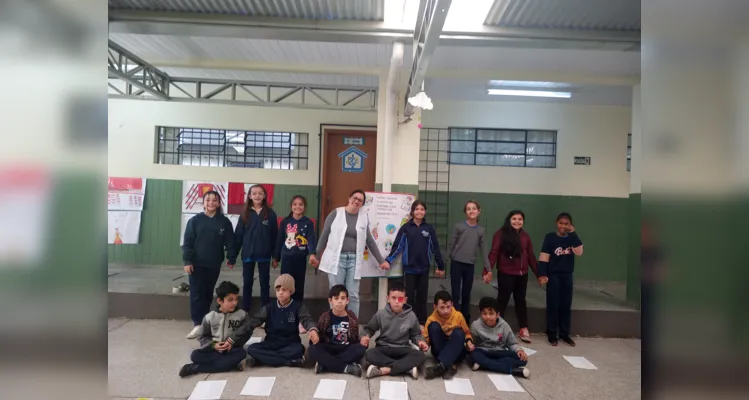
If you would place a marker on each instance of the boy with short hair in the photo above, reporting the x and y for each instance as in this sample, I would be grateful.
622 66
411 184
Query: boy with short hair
282 345
398 327
339 349
447 332
217 353
494 346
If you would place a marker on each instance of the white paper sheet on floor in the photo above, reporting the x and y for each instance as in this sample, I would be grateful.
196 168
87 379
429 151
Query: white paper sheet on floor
208 390
459 386
505 383
258 386
580 362
330 389
390 390
528 351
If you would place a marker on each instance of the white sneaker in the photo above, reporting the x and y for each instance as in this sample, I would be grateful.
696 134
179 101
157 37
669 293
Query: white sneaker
195 332
415 373
475 367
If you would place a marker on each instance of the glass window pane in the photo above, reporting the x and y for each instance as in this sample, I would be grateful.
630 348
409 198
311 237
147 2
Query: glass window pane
541 149
542 136
462 146
458 158
462 134
505 135
504 160
541 161
500 147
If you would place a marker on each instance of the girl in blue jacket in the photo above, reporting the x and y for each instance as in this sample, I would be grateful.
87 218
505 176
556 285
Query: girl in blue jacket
255 235
417 240
296 239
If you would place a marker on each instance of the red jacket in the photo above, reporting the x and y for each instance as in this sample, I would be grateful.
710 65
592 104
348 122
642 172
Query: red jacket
512 266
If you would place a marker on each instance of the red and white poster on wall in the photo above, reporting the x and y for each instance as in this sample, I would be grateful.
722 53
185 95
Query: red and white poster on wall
193 191
126 194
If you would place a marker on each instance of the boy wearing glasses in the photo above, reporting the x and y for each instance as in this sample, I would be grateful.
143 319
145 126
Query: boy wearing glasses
398 326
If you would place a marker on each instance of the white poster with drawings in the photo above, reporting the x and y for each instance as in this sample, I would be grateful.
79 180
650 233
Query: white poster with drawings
193 191
123 227
186 217
387 213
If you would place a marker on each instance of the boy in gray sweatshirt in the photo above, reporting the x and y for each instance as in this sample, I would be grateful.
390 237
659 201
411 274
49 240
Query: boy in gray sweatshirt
494 346
398 327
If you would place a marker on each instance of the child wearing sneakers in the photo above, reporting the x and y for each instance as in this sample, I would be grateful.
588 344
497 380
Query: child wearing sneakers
494 346
398 327
282 345
339 349
216 352
447 332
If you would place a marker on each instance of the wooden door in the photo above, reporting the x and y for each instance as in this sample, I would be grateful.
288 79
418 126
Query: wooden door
350 158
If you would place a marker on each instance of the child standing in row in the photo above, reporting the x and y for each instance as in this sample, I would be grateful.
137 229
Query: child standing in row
417 240
206 237
512 252
448 332
468 239
398 327
216 352
296 239
555 268
339 348
282 345
493 346
256 233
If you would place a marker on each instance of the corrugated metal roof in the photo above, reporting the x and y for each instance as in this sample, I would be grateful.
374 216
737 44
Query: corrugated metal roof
620 15
361 10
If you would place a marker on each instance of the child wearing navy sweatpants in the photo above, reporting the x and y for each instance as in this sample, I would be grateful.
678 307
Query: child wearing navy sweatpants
447 332
296 239
493 345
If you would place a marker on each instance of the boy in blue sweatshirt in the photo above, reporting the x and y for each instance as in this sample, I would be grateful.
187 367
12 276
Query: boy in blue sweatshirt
417 241
282 345
296 240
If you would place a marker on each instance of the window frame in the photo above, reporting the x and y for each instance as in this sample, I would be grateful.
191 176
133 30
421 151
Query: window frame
476 142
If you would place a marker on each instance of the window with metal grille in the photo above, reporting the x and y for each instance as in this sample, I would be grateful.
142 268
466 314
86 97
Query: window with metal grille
503 147
629 152
232 148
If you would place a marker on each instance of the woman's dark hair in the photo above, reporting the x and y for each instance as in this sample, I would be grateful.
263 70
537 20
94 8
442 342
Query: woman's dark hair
219 209
511 246
564 215
300 197
358 191
416 204
248 204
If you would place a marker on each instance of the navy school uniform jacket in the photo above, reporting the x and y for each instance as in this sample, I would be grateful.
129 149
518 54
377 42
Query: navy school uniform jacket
296 238
281 324
561 257
205 239
418 243
257 236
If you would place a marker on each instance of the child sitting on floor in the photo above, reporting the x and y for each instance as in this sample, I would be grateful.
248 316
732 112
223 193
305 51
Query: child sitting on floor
339 349
398 326
216 352
447 332
282 345
494 346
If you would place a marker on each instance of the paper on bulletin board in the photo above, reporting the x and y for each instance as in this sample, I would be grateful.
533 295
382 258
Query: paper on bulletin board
387 212
186 217
125 194
123 227
193 191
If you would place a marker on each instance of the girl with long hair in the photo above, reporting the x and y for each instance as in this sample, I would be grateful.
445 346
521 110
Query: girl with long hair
255 235
296 240
512 253
207 236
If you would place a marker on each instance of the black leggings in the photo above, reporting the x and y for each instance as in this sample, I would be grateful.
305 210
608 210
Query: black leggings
516 286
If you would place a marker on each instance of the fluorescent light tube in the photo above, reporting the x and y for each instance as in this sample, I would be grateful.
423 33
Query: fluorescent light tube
529 93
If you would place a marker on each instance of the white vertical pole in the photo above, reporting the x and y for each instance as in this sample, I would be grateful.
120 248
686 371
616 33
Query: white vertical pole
391 127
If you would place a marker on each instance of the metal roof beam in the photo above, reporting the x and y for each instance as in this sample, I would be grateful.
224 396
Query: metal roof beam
429 23
143 75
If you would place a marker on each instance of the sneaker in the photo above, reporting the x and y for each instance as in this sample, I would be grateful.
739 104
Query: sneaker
187 370
318 368
250 361
433 371
415 373
475 367
195 332
299 362
353 369
521 371
450 372
242 365
373 372
568 340
524 335
552 340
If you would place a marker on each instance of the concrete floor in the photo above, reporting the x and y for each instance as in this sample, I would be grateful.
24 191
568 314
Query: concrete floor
145 355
